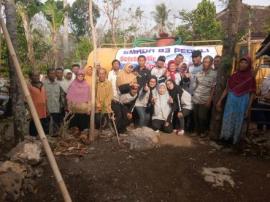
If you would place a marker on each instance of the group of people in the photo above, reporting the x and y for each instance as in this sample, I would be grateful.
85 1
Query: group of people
173 98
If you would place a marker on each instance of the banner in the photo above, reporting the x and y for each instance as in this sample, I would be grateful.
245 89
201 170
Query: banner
130 55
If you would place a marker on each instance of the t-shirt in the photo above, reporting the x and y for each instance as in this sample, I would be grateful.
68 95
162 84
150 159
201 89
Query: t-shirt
265 88
193 70
205 82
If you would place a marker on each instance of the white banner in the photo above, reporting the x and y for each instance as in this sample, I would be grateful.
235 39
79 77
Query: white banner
130 55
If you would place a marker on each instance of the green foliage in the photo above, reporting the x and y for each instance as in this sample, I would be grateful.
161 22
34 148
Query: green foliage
161 14
31 7
83 48
54 13
201 23
79 16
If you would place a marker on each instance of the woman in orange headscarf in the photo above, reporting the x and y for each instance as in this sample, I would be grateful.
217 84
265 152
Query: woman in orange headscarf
126 78
88 74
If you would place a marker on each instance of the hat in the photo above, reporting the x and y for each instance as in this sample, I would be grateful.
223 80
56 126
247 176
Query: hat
161 58
196 53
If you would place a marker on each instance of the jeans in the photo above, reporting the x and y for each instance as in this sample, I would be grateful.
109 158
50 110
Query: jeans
160 125
179 123
144 117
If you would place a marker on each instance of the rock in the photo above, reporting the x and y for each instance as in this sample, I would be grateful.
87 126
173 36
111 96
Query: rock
10 186
27 152
9 166
218 176
141 138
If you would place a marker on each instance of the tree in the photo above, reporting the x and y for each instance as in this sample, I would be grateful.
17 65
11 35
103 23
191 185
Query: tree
79 17
17 98
161 15
229 42
201 23
65 35
110 8
27 10
54 13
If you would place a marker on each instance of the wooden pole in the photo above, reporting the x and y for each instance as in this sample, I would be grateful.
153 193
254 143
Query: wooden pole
91 134
33 111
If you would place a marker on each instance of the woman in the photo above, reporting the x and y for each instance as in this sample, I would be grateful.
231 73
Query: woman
172 73
78 98
239 91
88 74
162 110
143 103
125 79
67 80
182 105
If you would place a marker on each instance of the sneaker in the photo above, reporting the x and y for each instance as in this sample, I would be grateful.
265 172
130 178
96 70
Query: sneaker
175 131
181 132
157 131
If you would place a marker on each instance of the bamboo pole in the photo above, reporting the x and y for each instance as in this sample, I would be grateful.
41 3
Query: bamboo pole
91 134
33 111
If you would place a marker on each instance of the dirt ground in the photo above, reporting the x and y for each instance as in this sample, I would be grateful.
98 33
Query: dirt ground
170 172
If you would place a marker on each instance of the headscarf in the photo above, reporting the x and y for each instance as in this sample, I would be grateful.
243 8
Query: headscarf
66 83
88 74
171 73
124 77
79 91
177 90
161 105
242 82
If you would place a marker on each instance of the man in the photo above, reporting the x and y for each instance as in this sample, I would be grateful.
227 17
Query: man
112 78
203 96
55 99
195 68
38 94
217 61
75 68
143 74
160 69
179 59
104 97
59 73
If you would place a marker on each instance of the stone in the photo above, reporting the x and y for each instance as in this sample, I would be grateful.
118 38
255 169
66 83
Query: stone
218 176
27 152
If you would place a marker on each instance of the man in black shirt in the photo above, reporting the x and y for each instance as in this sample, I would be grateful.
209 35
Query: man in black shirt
143 74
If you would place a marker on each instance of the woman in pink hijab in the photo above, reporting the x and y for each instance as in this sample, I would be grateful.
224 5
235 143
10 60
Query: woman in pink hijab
79 101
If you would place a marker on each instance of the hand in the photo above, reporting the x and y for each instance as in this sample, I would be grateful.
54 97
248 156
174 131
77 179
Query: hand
180 115
146 88
170 101
154 99
219 106
129 116
166 123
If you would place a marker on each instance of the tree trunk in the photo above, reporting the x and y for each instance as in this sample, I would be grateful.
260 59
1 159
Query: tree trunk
18 108
29 38
65 35
54 36
228 53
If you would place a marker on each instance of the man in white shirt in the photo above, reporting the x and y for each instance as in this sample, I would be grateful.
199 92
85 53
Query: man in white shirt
112 78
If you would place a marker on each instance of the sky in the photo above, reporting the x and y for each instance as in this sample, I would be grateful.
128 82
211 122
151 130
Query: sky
175 5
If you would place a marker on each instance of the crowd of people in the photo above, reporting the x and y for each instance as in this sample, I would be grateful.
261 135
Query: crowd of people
177 97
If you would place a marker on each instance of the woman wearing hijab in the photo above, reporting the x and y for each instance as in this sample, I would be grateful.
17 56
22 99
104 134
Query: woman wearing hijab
172 73
78 98
161 119
125 79
239 91
143 103
88 74
182 105
67 80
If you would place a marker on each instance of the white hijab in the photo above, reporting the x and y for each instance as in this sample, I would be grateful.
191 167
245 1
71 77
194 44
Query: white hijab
66 83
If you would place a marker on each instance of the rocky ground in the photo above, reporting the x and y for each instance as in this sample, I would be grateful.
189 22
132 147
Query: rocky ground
176 169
